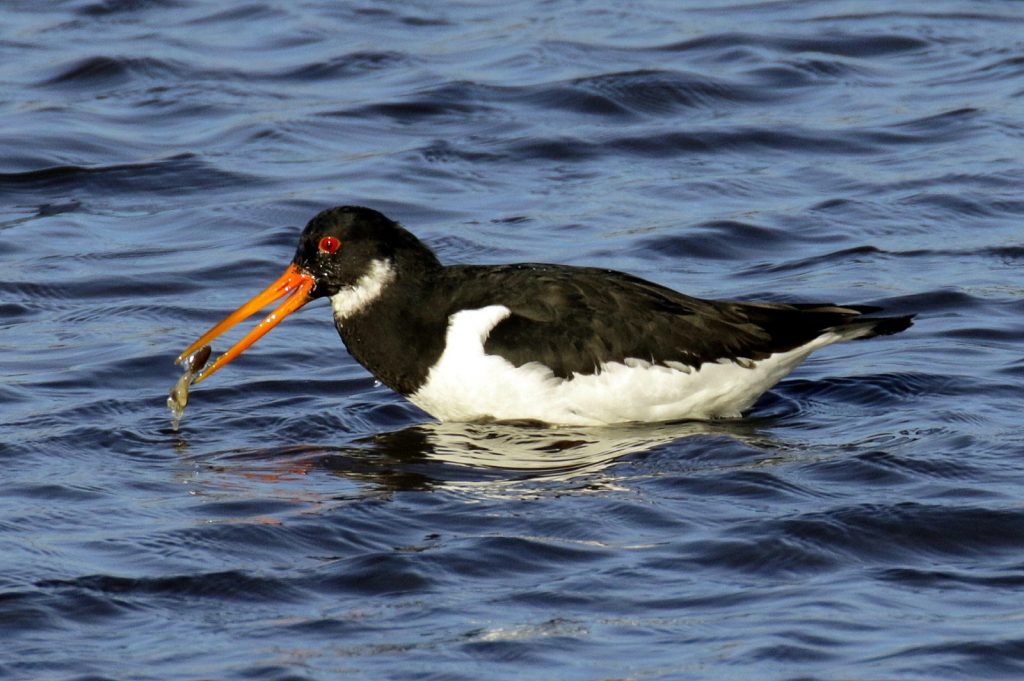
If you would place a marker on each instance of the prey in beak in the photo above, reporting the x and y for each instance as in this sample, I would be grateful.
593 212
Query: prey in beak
295 285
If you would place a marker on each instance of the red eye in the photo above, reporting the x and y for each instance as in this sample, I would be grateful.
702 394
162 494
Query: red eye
329 244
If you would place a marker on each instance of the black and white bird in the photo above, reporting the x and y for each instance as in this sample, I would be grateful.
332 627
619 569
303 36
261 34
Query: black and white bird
552 343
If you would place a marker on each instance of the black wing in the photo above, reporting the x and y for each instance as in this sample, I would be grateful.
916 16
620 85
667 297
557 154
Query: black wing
574 319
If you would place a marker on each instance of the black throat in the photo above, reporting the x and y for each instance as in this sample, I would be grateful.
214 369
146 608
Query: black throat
400 335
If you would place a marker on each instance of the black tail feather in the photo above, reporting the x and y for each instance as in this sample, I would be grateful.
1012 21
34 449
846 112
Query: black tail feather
860 328
883 326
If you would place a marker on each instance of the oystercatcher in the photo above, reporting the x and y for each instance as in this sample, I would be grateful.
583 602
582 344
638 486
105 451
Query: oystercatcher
551 343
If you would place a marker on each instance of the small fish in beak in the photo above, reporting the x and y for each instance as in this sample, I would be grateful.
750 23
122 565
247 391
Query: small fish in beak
178 399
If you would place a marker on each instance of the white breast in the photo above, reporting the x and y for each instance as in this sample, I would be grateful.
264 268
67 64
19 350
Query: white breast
466 384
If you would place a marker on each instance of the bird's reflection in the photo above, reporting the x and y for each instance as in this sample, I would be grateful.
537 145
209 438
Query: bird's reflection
489 458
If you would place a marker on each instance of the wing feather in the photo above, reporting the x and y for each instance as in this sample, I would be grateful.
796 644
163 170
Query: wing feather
574 319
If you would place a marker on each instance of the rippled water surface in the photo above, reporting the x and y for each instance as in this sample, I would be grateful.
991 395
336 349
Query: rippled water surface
157 158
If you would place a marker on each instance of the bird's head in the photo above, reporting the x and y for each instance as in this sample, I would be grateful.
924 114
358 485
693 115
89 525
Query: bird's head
347 254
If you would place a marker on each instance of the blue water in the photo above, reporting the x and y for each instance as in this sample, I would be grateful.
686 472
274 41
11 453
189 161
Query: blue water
157 159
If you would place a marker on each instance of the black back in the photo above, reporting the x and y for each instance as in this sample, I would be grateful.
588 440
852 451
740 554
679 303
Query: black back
573 319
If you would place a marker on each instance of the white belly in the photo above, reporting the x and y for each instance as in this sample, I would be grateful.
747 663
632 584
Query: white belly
466 384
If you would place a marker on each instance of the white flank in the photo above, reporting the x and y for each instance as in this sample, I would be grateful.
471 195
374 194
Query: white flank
467 384
367 289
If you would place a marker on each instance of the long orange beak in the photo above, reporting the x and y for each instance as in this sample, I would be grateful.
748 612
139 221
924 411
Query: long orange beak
294 283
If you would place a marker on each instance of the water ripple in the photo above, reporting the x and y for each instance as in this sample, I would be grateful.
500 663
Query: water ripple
168 176
839 44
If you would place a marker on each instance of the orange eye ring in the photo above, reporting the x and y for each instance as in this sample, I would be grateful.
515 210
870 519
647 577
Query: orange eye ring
329 244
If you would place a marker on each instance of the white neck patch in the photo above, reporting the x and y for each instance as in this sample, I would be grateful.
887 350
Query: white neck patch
367 289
